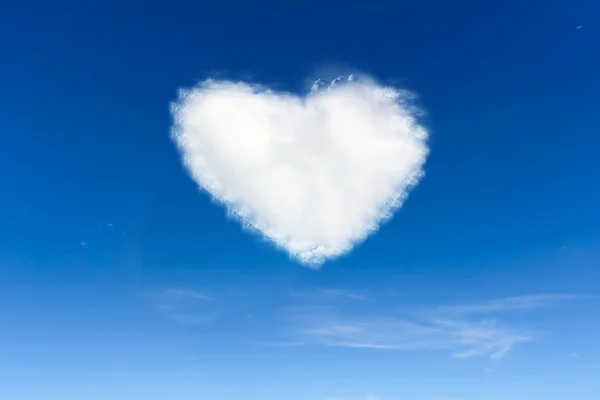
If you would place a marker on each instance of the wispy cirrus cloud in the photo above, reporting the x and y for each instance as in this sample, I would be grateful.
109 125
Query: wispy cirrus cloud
184 306
528 302
341 293
365 397
321 294
468 330
464 338
348 318
372 397
184 294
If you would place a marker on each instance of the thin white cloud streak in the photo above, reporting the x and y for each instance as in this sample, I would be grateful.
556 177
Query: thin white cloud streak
527 302
315 175
459 329
365 397
342 294
183 306
332 294
463 338
185 294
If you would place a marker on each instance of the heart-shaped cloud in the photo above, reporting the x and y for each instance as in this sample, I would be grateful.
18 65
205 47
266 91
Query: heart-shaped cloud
314 174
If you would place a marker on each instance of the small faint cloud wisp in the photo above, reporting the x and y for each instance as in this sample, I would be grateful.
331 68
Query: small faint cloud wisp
183 305
465 330
528 302
365 397
332 294
315 175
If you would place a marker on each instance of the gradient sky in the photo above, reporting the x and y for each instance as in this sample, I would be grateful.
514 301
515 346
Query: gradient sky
119 279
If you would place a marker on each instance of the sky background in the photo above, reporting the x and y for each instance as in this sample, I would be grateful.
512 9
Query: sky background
119 279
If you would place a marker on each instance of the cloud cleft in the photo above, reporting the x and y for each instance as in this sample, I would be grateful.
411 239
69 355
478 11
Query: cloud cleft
315 175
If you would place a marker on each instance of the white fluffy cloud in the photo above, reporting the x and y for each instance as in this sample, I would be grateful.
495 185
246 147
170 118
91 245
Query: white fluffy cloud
314 174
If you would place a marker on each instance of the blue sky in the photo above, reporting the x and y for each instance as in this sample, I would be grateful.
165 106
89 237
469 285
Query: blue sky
120 279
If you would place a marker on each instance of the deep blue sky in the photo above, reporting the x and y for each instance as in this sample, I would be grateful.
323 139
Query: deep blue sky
508 206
